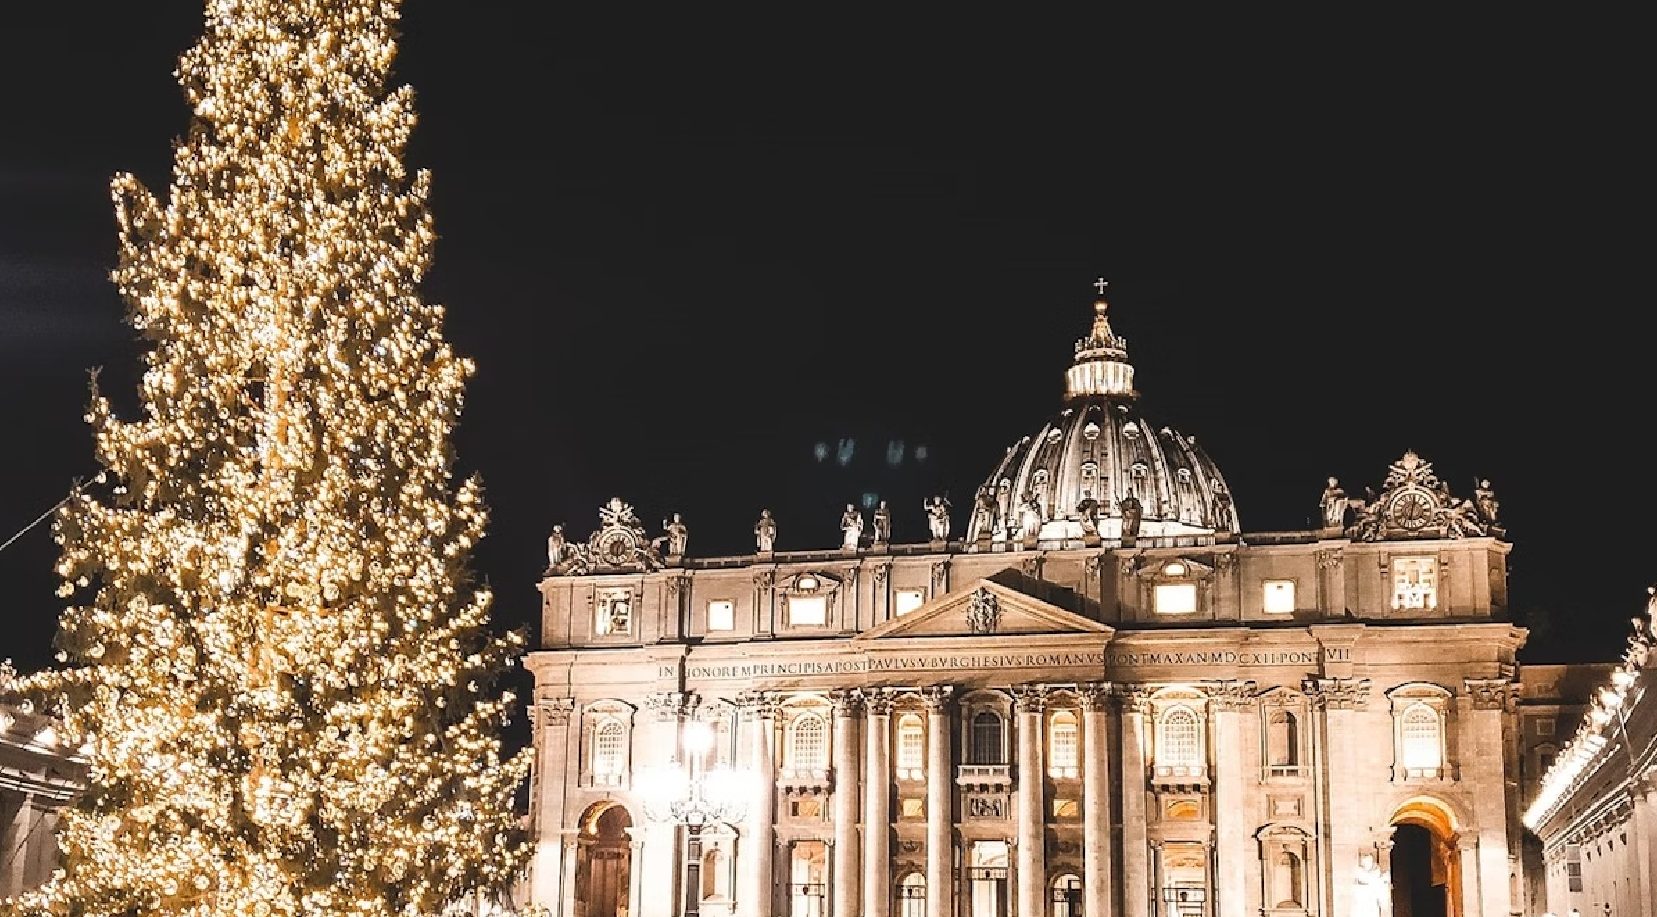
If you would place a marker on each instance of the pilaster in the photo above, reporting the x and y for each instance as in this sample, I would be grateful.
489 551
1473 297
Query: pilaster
1336 702
549 726
757 846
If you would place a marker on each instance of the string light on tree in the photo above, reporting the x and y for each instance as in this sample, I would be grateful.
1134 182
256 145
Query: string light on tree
273 651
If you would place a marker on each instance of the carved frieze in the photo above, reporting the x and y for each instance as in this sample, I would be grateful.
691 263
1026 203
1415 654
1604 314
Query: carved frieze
935 697
881 573
764 579
553 711
940 577
877 701
1328 558
1029 698
1134 698
985 806
847 701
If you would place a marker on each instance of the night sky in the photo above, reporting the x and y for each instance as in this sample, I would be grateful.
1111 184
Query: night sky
685 255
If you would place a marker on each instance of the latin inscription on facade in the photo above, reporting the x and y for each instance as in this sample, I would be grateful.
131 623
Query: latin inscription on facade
879 664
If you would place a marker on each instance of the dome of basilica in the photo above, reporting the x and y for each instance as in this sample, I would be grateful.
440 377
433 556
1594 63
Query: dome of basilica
1098 464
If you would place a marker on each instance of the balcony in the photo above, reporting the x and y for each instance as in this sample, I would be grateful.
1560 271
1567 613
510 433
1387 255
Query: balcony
795 781
1180 776
984 776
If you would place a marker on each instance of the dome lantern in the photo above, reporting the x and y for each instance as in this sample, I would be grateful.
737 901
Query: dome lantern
1101 366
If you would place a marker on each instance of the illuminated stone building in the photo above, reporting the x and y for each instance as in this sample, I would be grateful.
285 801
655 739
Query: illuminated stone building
1101 697
1594 809
38 777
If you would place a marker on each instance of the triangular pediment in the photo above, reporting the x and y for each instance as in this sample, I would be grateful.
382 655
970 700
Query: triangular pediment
985 608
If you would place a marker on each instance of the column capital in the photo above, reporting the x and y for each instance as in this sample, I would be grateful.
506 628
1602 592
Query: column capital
1029 698
936 697
552 711
757 703
877 701
1490 693
1467 841
1230 695
847 701
671 705
1337 693
1095 696
1134 698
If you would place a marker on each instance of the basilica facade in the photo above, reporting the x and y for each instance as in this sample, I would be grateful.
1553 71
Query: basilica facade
1099 697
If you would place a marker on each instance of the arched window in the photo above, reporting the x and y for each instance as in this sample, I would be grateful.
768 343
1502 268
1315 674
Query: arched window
986 746
1063 738
1282 740
609 747
1421 733
1067 896
912 896
1179 742
808 743
911 747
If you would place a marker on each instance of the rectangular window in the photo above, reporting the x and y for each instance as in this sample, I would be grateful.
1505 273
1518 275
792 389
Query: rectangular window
808 610
1415 583
907 600
1279 596
1545 726
1176 598
721 615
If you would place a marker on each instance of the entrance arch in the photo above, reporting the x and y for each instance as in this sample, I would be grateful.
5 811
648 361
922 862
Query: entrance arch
1425 862
604 861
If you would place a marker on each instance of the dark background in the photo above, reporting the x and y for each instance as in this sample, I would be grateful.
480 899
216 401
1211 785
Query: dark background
684 253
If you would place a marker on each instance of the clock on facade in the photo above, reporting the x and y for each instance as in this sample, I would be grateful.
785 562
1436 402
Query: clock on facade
1411 509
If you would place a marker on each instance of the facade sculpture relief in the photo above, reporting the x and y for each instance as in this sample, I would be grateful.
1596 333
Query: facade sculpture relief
765 532
882 524
851 528
937 517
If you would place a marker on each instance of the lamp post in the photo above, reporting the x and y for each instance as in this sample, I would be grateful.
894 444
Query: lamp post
686 791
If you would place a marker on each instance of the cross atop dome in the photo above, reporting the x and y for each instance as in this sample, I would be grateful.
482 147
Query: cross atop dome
1101 366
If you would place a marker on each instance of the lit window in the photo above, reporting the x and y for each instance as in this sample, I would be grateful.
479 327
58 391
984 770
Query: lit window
1279 596
1173 569
808 743
1067 896
912 807
808 610
907 600
912 896
1179 742
1176 598
1422 735
609 743
1062 743
721 615
1415 583
911 748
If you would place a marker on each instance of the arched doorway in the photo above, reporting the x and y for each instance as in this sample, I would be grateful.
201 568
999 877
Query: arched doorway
1424 864
604 861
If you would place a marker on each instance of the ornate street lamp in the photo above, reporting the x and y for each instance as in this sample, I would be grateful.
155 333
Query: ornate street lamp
687 792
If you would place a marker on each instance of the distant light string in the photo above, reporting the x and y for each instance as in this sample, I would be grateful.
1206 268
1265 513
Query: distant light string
99 479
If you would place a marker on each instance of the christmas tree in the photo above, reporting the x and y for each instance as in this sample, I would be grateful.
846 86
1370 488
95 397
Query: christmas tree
274 654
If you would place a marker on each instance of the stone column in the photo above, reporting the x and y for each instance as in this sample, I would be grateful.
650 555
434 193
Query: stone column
1481 761
1227 702
566 892
550 726
877 805
1136 878
14 832
661 861
1032 817
1467 848
846 781
757 846
1096 830
635 877
1643 836
940 809
1337 701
